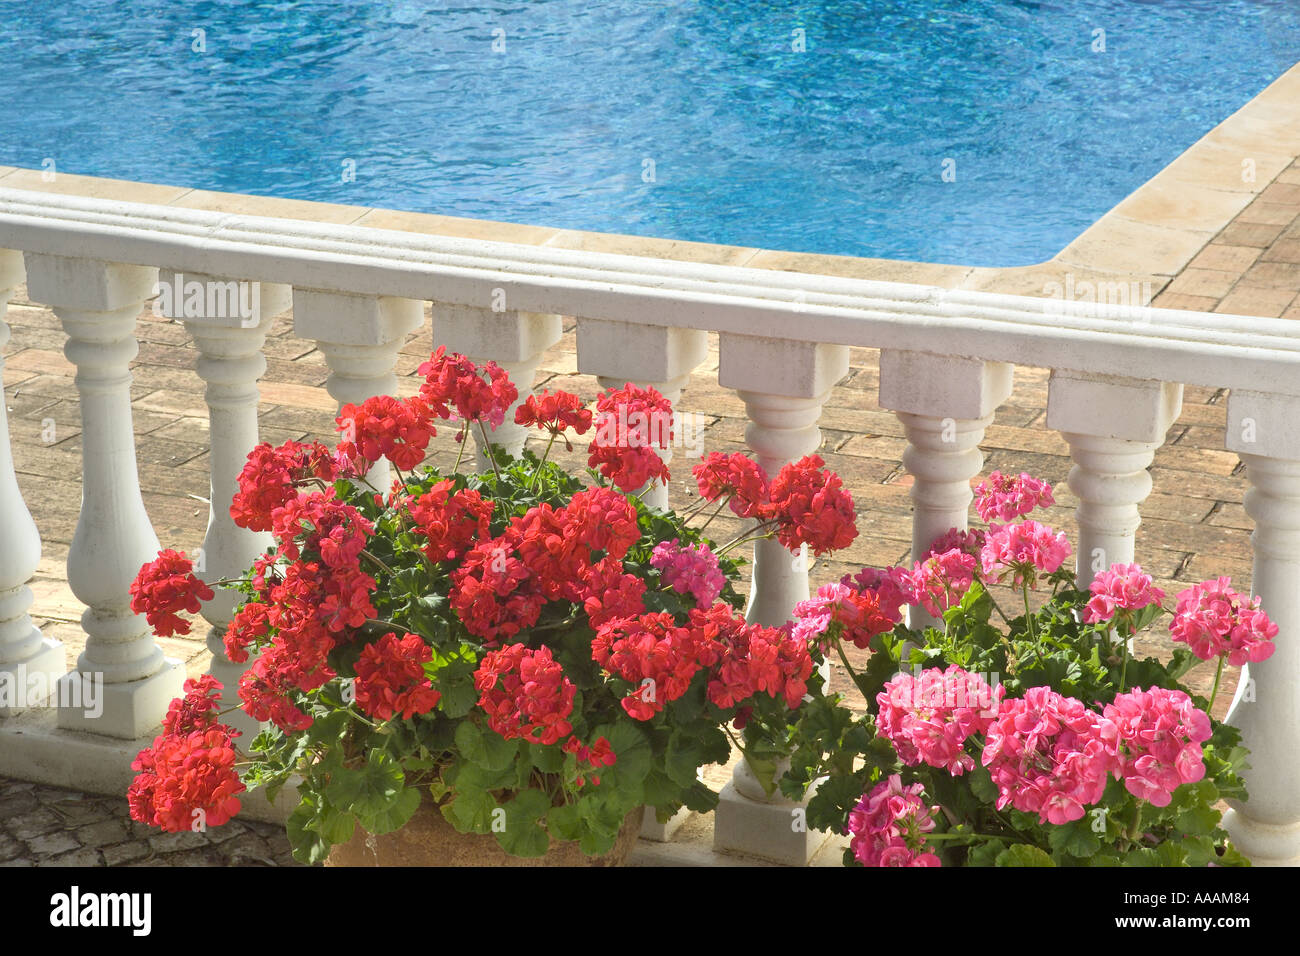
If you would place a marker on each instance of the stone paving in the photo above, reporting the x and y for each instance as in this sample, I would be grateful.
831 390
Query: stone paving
49 826
1194 526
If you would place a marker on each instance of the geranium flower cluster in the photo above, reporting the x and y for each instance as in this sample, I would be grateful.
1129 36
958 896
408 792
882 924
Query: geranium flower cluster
450 520
271 477
660 659
889 824
631 423
525 694
548 554
390 678
1008 497
970 541
1049 754
1161 732
554 412
1025 548
1046 753
693 570
892 588
1121 587
398 429
186 779
738 479
302 605
163 588
807 502
940 580
841 610
930 717
1215 621
454 387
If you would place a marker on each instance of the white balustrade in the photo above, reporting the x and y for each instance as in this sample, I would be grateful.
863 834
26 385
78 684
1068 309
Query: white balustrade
98 304
516 341
30 663
230 342
1113 427
1264 429
360 336
945 366
945 403
619 353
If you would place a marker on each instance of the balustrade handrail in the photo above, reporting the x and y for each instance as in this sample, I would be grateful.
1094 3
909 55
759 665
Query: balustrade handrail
1194 348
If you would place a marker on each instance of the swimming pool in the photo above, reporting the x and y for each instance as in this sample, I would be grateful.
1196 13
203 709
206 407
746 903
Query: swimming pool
969 131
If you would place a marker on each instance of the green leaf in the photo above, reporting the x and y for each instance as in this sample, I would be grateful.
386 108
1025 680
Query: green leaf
334 826
396 814
1198 820
985 854
982 785
308 847
377 793
486 748
633 760
470 810
456 684
546 758
1022 854
563 822
1076 838
684 756
521 833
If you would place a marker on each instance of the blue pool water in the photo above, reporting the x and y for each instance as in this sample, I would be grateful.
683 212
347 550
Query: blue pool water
691 120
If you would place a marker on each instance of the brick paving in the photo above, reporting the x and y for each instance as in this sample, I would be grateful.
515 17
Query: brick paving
1194 526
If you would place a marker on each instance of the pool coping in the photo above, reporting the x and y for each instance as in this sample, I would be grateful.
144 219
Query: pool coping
1142 243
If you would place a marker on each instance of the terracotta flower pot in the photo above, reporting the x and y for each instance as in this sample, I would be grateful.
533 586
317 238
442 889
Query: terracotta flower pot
429 840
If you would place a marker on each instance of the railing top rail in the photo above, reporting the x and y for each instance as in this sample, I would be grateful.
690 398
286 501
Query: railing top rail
1111 339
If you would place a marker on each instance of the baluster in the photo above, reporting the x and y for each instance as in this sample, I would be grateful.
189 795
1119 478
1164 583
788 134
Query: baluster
516 341
1113 427
661 358
784 384
944 403
229 333
98 303
30 663
1264 429
645 355
360 336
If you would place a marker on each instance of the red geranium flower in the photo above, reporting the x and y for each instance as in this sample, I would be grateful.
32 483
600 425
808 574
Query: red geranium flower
165 586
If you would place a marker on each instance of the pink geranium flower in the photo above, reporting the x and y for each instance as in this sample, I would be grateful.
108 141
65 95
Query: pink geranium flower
889 824
1026 548
1213 620
930 717
1162 732
940 580
1049 754
1008 498
1123 587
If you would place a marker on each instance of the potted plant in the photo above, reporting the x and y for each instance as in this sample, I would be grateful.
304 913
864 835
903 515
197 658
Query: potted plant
1022 737
525 658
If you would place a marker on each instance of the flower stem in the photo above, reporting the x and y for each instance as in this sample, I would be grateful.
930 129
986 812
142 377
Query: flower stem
464 437
1218 674
382 566
542 462
487 448
839 649
712 516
